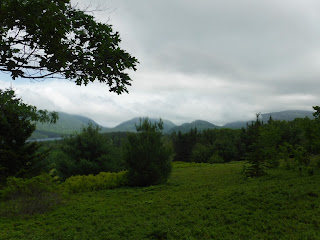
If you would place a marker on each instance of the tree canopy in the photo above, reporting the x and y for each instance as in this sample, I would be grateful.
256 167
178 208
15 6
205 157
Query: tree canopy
51 38
148 157
17 122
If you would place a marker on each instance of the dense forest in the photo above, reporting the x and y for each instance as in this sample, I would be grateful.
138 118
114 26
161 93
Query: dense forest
264 145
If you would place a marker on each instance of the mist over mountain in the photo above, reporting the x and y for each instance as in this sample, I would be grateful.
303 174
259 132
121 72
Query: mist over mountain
288 115
70 123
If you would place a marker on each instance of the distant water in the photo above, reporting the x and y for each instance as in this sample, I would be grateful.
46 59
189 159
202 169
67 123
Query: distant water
44 139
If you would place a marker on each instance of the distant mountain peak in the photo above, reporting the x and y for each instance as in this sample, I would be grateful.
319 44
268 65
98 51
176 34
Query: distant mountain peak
200 125
130 125
69 123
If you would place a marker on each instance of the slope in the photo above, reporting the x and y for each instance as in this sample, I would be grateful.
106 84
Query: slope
199 124
66 124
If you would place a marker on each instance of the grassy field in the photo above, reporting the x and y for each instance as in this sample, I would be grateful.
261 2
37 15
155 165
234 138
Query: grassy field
200 201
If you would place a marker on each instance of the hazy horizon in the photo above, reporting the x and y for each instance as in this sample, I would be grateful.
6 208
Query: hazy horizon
221 61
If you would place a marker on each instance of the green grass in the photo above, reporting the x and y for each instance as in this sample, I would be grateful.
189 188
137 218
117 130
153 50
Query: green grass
200 201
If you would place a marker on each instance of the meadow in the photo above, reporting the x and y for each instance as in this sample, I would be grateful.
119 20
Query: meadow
200 201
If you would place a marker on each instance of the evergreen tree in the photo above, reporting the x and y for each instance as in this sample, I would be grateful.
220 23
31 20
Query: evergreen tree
316 114
183 144
17 122
147 156
254 154
89 152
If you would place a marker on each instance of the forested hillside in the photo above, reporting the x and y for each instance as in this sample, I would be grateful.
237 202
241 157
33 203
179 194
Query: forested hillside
69 123
198 124
130 125
66 124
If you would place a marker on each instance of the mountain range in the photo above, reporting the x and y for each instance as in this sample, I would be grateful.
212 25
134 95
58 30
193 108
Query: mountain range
69 123
130 125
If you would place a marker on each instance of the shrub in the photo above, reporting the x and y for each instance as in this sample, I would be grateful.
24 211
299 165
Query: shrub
88 152
29 196
294 158
271 157
301 156
216 158
102 181
148 157
316 161
201 153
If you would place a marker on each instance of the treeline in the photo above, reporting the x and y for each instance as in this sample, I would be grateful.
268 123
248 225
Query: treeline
263 145
208 146
32 174
88 160
270 144
87 152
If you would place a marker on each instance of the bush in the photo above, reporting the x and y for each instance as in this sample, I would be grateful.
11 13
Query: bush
201 153
148 157
88 152
294 158
29 196
216 158
102 181
316 161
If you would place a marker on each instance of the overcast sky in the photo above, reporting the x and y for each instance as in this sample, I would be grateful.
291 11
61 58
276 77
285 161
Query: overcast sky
215 60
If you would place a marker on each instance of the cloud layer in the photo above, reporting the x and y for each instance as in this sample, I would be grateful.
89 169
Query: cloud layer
215 60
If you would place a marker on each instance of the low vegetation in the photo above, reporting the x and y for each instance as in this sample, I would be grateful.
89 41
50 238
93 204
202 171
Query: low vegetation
29 196
102 181
260 182
200 201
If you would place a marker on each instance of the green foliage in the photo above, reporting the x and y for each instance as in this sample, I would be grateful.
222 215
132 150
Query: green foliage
18 157
29 196
294 158
148 157
118 138
102 181
316 114
286 155
223 142
302 156
88 152
183 144
200 201
316 161
258 143
66 125
200 125
201 153
201 146
254 154
216 158
47 38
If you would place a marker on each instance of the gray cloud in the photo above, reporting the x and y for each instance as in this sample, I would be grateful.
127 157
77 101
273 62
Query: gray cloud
221 37
215 60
